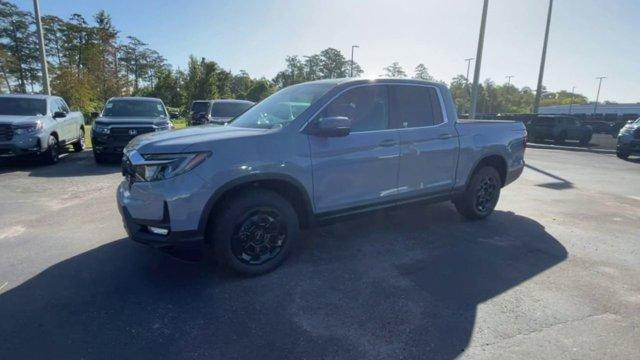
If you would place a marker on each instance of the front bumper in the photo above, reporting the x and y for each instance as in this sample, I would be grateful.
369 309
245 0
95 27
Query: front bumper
20 147
628 146
137 230
105 145
177 205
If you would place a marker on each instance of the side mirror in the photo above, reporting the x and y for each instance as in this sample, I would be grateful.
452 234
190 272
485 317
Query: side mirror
335 126
95 114
174 115
59 114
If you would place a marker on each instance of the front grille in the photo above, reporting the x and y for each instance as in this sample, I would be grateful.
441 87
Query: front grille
6 132
127 131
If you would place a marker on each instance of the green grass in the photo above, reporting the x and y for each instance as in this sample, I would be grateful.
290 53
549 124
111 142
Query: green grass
178 123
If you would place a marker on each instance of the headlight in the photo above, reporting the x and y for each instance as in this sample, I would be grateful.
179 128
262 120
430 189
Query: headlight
626 131
28 128
164 166
165 126
101 129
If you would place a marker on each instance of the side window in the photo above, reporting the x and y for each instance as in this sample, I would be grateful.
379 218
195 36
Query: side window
415 106
55 106
366 106
63 106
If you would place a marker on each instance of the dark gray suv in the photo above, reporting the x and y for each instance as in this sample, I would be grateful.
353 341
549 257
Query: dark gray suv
558 128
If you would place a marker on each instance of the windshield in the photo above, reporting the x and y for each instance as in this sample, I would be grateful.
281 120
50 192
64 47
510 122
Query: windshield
199 107
134 108
22 106
229 109
282 107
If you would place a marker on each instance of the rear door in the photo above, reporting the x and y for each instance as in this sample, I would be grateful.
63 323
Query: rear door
428 142
362 167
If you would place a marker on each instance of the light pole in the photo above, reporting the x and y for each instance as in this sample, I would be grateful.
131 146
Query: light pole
536 102
43 55
468 67
573 92
476 72
351 71
509 79
595 106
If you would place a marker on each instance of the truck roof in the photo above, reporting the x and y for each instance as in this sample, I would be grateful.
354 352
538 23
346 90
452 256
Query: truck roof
226 100
29 96
373 80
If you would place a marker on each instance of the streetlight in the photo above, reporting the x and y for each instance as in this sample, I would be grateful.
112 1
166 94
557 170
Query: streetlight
351 71
536 102
476 72
43 55
595 106
573 92
468 67
509 79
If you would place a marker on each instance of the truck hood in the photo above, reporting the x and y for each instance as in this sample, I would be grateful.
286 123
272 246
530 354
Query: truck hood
131 120
19 119
189 139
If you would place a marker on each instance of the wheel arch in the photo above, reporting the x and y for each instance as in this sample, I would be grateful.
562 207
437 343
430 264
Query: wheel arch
286 186
496 161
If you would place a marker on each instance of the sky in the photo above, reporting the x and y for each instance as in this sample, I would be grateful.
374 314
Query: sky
588 38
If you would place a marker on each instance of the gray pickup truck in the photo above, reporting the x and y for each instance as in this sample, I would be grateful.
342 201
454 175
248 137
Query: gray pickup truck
311 152
38 125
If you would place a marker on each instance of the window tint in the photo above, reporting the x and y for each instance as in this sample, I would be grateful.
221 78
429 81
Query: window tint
415 106
22 106
366 106
63 106
55 106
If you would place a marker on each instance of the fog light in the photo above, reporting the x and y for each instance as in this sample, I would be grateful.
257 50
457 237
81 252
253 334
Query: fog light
157 231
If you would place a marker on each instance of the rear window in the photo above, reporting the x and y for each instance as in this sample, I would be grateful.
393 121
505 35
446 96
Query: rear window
543 121
229 109
22 106
414 106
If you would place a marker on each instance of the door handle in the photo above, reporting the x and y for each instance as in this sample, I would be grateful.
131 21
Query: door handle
388 143
445 136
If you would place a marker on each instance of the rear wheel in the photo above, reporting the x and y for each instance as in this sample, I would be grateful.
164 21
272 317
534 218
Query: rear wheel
481 195
78 146
561 138
52 154
585 139
254 233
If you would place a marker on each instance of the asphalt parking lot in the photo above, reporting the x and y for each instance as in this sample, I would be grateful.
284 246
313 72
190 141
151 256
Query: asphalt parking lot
554 273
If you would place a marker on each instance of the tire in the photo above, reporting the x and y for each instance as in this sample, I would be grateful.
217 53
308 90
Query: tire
561 138
254 232
585 139
99 159
78 146
52 154
475 205
622 155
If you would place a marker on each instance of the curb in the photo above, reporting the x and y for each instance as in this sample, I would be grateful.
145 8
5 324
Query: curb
570 148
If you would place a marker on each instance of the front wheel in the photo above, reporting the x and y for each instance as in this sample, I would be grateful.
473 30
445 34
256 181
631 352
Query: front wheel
622 155
481 195
254 233
52 154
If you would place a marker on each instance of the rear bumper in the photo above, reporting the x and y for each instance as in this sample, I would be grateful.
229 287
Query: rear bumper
513 174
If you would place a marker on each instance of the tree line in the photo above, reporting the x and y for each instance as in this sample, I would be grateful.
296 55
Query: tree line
90 61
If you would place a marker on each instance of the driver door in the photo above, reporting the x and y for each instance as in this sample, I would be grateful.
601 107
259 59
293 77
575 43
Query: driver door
362 167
